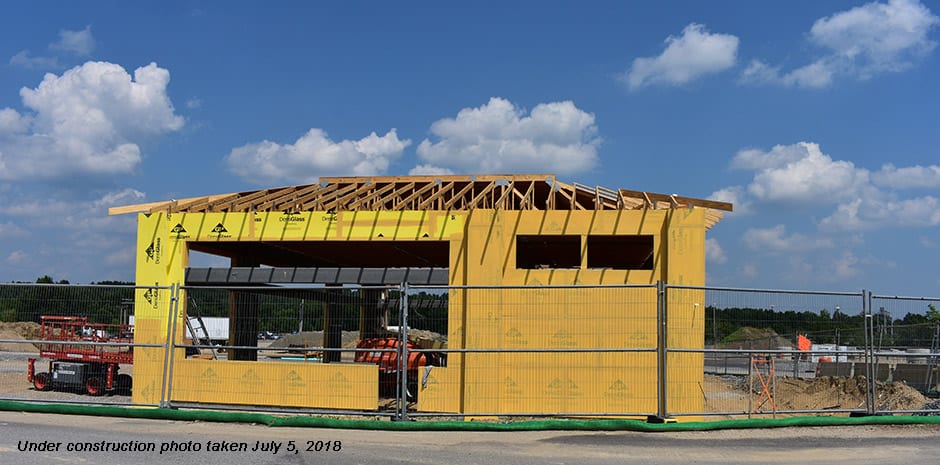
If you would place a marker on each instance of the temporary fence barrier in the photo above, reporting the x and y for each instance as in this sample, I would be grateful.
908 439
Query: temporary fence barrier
651 351
74 343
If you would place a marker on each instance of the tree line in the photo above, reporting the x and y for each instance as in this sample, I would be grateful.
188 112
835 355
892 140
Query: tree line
825 327
288 310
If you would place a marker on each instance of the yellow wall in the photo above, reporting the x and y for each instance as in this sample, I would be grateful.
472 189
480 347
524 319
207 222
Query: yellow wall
482 253
493 383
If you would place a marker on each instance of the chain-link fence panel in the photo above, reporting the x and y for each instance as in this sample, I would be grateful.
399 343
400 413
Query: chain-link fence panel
533 351
298 347
905 335
743 352
71 343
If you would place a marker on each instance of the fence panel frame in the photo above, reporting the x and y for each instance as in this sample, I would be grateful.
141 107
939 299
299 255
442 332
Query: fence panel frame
864 351
89 400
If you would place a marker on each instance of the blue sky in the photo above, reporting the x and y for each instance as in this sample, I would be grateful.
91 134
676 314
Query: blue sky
819 120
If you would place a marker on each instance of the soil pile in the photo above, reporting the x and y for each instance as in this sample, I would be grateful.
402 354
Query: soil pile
747 337
18 331
726 394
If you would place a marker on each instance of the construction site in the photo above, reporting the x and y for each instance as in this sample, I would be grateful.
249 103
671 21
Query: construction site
467 296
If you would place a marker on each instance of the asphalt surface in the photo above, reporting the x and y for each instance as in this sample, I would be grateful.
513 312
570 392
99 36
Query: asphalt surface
30 438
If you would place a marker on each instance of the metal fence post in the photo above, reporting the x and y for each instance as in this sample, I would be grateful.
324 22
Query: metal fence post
871 366
661 312
403 355
170 322
171 343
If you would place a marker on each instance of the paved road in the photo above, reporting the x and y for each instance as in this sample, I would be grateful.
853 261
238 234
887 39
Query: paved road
831 445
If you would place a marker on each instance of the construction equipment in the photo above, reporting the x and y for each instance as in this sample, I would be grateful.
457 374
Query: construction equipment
385 355
83 356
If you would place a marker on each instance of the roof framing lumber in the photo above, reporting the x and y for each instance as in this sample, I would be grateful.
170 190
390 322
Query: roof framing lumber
450 192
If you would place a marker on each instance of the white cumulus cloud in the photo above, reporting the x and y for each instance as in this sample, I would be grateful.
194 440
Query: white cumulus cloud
776 240
911 177
694 54
858 43
12 122
74 43
26 60
878 36
314 155
429 170
736 196
801 173
874 212
86 122
78 42
713 251
499 137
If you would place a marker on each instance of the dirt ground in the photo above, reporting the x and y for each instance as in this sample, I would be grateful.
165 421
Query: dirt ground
733 394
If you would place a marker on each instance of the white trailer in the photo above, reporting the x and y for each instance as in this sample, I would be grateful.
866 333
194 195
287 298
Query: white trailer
216 328
212 327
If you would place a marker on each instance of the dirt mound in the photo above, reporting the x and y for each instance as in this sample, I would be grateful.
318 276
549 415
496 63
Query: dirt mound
18 331
831 392
823 393
312 339
747 337
826 393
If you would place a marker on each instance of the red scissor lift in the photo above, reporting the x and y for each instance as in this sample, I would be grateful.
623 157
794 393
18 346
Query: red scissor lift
76 364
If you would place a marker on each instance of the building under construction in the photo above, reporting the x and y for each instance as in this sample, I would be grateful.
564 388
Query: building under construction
528 259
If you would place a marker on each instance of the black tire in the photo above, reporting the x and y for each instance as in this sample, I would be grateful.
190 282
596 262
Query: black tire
42 382
122 384
94 386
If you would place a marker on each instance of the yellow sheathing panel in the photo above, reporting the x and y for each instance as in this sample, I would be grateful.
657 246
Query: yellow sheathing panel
490 245
288 384
151 307
274 226
438 390
563 382
685 258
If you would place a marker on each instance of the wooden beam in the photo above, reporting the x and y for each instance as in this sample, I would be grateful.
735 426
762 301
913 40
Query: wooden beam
416 194
444 188
366 200
454 198
475 201
680 200
334 202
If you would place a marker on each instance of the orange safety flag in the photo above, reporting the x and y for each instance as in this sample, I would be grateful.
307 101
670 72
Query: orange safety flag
803 343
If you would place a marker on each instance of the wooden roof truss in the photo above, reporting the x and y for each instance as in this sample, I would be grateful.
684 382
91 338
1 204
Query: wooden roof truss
500 192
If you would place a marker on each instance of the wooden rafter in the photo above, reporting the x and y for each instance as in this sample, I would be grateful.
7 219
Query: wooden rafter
450 192
458 196
366 202
416 195
437 196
